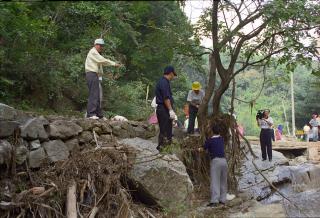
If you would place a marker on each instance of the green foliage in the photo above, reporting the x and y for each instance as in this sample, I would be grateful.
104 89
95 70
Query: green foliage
43 49
275 95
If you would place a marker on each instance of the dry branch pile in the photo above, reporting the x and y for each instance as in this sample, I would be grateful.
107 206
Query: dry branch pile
92 180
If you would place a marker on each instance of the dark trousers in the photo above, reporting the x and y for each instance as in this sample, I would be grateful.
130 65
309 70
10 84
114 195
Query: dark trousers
192 118
93 106
266 143
165 125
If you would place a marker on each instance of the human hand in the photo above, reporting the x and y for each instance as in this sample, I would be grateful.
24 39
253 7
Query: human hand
118 65
172 115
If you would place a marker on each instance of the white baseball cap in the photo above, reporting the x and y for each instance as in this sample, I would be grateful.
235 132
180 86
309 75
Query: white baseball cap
99 42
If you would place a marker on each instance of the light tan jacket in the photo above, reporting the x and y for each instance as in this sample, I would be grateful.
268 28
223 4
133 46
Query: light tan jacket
95 61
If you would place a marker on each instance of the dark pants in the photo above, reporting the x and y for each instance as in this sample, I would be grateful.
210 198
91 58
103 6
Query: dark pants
266 143
93 107
165 125
192 118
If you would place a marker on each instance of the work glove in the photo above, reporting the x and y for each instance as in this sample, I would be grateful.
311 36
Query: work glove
172 114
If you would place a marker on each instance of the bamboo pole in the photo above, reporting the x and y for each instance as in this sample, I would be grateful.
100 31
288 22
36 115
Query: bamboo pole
147 94
285 118
292 107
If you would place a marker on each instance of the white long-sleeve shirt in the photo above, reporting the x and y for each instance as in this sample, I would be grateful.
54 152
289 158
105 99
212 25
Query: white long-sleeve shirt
264 125
95 61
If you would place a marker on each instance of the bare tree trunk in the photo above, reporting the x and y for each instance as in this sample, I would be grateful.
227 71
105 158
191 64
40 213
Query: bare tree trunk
203 109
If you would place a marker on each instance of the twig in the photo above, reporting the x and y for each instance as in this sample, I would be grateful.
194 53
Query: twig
150 214
48 207
93 212
46 192
142 214
83 190
29 174
249 146
96 140
78 211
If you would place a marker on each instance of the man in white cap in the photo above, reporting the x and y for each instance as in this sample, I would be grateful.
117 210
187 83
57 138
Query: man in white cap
94 71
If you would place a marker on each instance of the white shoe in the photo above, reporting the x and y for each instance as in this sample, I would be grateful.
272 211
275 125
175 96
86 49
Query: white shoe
94 117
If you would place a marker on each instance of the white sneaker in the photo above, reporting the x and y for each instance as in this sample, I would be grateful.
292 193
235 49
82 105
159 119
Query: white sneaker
94 117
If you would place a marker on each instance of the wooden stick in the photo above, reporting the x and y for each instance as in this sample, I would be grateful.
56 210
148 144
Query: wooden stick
96 140
72 200
94 211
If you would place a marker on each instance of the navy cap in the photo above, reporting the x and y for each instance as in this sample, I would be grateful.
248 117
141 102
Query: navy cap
168 70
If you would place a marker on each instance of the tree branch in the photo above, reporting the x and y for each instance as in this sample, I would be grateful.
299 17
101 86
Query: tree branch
235 9
255 62
245 38
240 26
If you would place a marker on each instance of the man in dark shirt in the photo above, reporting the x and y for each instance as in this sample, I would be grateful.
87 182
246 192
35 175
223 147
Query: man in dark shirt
165 113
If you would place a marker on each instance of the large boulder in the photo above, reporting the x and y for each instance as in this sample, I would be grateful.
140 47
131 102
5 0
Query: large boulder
35 129
7 112
159 179
307 202
304 177
7 128
36 158
63 129
253 183
56 150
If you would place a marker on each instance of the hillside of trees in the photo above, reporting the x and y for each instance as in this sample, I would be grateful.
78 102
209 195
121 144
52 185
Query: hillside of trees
44 46
43 49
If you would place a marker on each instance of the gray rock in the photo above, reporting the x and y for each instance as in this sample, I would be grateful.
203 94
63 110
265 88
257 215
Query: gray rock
305 177
85 137
119 132
36 158
7 112
72 145
7 128
34 145
56 150
5 152
105 138
21 154
151 131
140 132
63 129
88 124
308 203
106 128
155 176
35 129
254 184
97 130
